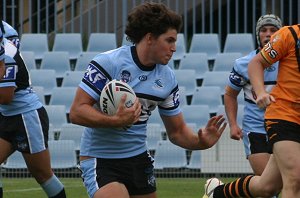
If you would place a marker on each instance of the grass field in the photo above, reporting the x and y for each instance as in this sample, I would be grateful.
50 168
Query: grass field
166 188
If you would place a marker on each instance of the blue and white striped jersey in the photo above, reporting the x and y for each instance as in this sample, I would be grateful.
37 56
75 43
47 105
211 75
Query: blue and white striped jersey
253 116
16 75
154 86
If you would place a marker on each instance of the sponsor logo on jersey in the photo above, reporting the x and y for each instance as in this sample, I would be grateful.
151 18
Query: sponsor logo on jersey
10 72
158 83
143 78
271 69
95 77
125 76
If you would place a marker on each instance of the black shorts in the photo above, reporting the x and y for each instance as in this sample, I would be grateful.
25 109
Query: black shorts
280 130
136 173
258 143
27 132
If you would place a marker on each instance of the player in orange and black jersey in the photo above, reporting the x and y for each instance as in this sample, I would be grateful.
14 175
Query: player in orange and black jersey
282 120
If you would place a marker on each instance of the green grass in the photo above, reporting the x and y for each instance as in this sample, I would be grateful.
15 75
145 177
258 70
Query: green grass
166 188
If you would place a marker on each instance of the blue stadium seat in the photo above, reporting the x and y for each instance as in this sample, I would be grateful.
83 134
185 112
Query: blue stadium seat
225 61
29 59
239 42
180 47
73 132
63 96
69 42
45 78
83 60
37 43
206 43
154 134
72 78
198 114
195 61
187 79
57 116
58 60
101 42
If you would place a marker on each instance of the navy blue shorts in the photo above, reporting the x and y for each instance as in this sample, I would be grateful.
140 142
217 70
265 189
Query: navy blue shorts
27 132
136 173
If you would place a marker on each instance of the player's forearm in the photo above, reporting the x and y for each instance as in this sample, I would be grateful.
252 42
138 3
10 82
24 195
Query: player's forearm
231 107
256 74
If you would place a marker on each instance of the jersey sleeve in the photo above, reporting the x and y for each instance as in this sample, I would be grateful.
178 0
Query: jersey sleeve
278 46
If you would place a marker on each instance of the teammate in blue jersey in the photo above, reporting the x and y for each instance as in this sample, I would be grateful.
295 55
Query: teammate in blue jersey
24 123
253 132
115 162
10 33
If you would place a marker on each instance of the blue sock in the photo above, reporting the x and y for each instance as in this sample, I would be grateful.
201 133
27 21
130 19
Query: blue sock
54 187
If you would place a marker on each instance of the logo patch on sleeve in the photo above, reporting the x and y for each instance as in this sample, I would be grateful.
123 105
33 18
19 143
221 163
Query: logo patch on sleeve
95 77
10 72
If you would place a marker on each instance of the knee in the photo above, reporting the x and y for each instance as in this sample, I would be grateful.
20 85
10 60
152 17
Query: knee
270 190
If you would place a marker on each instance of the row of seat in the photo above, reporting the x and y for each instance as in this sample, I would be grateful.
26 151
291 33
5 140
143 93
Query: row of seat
100 42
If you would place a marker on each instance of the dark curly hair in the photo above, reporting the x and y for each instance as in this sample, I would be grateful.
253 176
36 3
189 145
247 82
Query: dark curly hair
153 18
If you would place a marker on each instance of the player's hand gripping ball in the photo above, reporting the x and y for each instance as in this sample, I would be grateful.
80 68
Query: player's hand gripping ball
111 95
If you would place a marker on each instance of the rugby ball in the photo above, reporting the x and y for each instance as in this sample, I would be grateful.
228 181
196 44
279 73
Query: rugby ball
210 185
111 95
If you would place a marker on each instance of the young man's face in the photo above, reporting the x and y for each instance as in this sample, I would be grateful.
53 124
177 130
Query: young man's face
265 33
164 46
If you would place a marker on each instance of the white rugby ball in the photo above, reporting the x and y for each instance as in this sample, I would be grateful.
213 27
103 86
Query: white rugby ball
210 185
111 95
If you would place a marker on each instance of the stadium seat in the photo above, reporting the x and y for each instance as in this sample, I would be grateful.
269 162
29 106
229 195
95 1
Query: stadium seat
45 78
62 154
239 42
29 59
182 96
195 61
168 155
216 78
101 42
180 47
155 117
72 78
154 134
15 161
69 42
211 96
63 96
37 43
225 61
83 60
198 114
39 90
57 116
195 160
59 61
206 43
71 132
187 79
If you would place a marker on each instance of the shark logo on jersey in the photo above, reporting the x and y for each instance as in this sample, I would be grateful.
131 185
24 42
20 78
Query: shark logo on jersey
95 77
125 76
270 69
10 72
158 83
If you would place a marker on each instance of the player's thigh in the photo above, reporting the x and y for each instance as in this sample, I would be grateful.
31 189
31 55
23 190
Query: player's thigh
258 162
5 150
112 190
287 156
39 165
